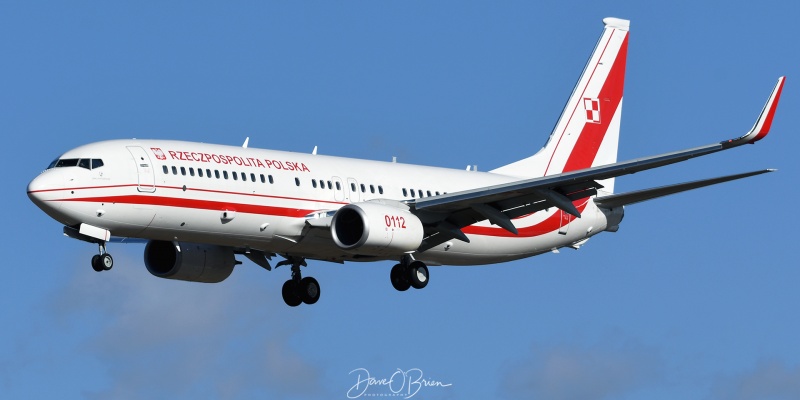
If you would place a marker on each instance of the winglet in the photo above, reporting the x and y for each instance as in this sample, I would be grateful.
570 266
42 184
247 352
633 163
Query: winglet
764 121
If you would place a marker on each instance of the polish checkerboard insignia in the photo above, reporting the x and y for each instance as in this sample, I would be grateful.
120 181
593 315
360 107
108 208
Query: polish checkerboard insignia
592 107
158 153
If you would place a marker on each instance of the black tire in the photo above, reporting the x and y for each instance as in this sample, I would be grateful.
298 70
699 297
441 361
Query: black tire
289 292
309 290
106 261
418 274
96 265
399 278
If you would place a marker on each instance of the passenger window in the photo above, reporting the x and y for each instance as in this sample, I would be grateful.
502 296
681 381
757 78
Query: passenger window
84 163
253 177
405 193
174 170
235 177
338 186
225 174
216 173
371 188
413 193
200 172
420 193
244 177
297 181
191 171
208 172
437 192
429 193
329 185
380 189
263 179
183 171
314 183
270 179
363 189
352 187
97 163
166 170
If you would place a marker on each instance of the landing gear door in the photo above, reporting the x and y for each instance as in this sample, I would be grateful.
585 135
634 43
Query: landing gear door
144 169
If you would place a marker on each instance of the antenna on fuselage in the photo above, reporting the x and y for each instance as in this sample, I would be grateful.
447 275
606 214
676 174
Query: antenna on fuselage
314 152
246 141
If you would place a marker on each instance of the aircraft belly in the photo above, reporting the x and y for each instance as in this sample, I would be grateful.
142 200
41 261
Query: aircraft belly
224 227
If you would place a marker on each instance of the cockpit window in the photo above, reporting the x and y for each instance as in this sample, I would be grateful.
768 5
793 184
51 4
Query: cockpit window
66 162
88 163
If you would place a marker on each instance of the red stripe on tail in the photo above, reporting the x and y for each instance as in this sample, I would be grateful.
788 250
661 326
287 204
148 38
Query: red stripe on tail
591 137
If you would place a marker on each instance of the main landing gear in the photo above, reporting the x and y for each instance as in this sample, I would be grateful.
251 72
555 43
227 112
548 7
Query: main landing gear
409 273
102 261
298 289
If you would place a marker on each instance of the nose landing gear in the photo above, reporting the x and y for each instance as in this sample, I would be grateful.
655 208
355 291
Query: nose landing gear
103 261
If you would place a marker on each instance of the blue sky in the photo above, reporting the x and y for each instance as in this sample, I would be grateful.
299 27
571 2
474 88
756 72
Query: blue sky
695 297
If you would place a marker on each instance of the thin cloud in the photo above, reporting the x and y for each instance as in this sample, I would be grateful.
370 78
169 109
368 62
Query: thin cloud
774 380
169 339
566 372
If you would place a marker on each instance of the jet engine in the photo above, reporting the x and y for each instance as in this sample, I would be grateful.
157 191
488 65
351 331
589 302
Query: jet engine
376 228
189 261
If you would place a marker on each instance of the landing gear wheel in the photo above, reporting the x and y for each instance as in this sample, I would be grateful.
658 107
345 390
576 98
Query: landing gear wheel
418 274
289 292
96 265
399 278
106 262
309 290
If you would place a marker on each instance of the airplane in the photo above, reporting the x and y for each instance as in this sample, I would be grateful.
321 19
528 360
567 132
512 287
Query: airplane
197 206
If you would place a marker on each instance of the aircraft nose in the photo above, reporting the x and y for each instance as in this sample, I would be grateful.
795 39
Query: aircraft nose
39 189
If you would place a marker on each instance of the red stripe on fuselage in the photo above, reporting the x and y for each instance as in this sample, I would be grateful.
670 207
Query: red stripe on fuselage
191 189
550 224
196 204
82 188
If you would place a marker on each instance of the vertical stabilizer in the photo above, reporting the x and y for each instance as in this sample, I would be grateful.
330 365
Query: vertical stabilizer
587 133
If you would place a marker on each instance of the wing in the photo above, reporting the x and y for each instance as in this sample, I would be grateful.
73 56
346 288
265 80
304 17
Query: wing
444 216
638 196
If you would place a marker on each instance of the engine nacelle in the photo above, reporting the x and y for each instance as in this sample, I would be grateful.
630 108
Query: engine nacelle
376 229
189 261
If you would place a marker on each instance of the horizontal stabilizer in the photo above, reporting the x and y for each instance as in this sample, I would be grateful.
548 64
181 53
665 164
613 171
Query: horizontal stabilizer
617 200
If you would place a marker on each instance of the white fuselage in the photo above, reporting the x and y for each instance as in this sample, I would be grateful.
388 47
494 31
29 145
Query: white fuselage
261 199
